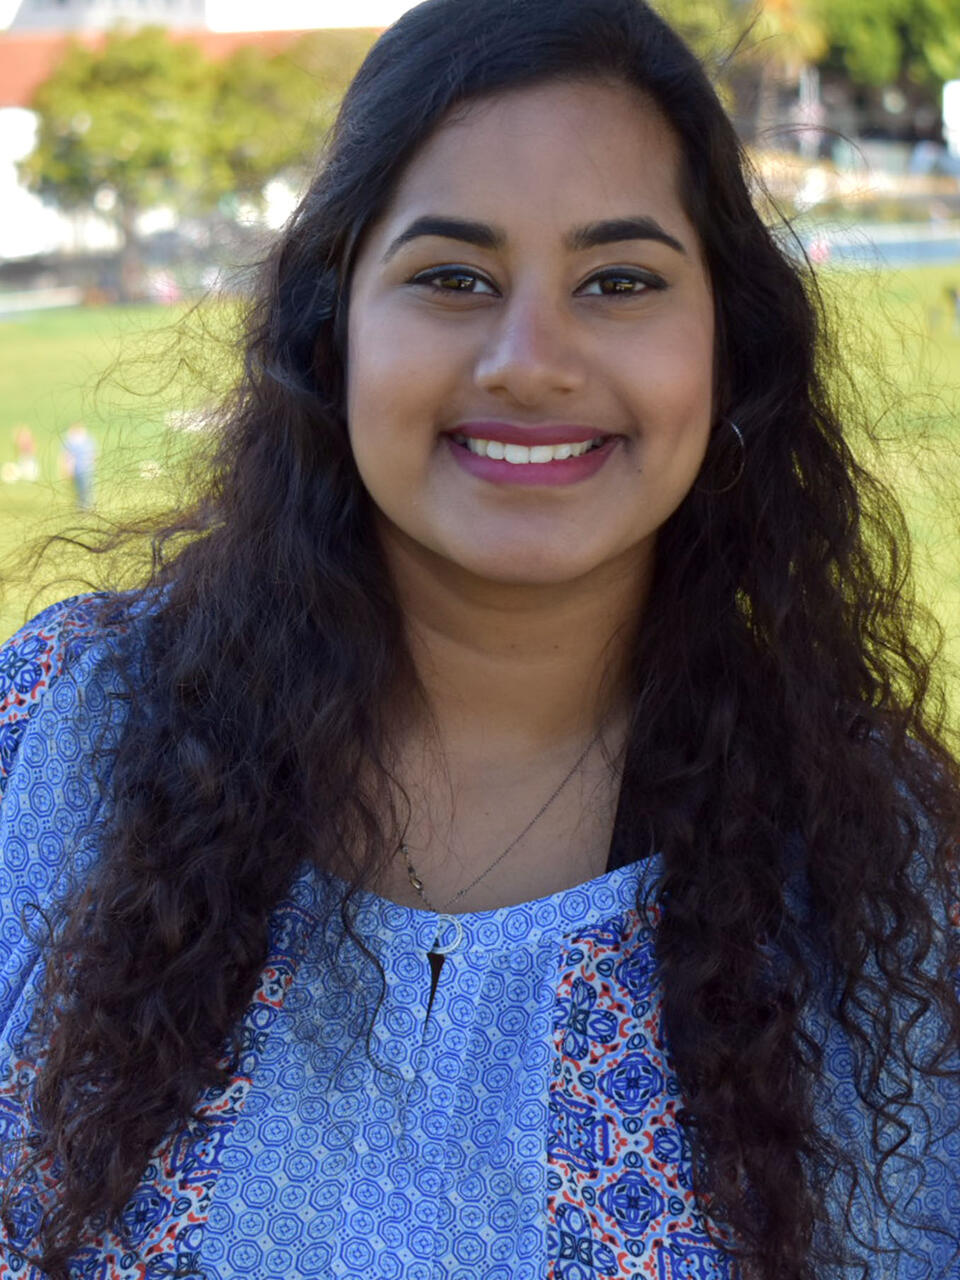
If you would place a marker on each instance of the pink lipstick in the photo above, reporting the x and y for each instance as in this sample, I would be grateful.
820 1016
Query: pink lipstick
546 454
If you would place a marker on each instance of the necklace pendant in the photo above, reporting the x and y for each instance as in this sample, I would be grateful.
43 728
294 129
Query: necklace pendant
411 874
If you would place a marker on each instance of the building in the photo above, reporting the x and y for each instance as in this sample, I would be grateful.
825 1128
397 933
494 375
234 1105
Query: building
63 16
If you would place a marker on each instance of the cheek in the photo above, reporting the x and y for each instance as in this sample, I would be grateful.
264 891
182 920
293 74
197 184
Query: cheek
391 410
398 378
674 405
370 373
375 391
672 382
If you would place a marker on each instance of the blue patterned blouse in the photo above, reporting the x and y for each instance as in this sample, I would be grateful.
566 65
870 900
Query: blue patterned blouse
521 1124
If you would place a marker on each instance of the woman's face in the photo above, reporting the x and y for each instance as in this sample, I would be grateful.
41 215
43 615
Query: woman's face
530 349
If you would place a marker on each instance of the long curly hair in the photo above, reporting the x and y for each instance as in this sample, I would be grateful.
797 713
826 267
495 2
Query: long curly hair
787 752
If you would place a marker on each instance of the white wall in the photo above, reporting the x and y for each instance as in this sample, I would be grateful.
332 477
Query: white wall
27 225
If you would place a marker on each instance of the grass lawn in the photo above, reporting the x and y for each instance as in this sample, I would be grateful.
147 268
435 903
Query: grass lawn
131 375
120 371
904 347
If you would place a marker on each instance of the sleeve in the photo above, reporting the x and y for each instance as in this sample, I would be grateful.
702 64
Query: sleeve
30 663
56 712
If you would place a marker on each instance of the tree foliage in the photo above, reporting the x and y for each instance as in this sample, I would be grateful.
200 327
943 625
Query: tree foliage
150 120
885 41
711 27
269 114
877 42
125 118
791 31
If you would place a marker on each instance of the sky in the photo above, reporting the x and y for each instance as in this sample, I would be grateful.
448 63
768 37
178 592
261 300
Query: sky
256 15
273 15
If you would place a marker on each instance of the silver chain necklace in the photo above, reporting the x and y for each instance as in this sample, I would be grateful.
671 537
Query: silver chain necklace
417 883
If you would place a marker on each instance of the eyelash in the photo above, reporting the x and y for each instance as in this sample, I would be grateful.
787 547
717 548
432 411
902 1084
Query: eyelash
649 281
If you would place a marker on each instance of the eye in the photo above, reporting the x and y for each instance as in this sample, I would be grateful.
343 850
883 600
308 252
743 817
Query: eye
621 282
453 279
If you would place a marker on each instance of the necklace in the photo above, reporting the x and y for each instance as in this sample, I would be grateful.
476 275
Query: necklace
417 883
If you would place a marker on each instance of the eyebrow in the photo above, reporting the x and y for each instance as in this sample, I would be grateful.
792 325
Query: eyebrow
485 236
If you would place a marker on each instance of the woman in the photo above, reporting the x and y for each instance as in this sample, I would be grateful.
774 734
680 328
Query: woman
509 836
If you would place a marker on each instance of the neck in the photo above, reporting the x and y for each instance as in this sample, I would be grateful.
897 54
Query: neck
517 668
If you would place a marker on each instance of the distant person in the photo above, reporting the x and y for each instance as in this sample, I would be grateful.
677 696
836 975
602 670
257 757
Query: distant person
26 447
164 288
78 461
953 297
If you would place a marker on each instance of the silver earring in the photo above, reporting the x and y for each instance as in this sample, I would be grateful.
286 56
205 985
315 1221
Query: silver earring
712 493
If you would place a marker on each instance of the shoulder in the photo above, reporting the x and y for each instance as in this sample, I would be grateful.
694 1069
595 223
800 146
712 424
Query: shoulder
52 692
53 655
62 706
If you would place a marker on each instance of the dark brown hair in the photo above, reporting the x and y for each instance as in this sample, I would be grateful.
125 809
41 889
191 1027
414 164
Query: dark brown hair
784 730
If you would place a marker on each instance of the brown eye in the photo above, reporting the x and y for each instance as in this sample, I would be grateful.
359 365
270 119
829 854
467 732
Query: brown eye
619 284
453 280
622 284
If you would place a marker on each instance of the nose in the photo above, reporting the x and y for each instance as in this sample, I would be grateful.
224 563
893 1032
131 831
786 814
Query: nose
531 354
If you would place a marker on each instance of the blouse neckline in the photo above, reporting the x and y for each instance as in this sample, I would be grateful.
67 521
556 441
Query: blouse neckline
543 921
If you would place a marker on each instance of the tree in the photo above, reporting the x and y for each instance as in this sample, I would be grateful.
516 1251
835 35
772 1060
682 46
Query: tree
763 44
711 27
786 37
145 120
269 114
885 41
878 42
119 129
790 33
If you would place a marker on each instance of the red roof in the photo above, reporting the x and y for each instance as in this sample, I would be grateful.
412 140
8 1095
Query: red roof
27 59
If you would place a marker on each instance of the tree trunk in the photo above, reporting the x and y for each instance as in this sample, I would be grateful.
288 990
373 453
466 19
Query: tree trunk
767 114
132 273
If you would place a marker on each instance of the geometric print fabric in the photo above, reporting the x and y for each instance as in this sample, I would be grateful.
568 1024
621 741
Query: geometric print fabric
520 1128
440 1166
518 1124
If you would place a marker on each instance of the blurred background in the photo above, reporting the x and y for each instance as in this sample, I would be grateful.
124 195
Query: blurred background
150 150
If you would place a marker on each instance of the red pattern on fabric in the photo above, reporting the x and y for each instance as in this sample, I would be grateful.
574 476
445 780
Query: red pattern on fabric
620 1201
179 1181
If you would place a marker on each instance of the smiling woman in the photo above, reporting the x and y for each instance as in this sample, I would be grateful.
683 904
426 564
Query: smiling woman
480 314
511 834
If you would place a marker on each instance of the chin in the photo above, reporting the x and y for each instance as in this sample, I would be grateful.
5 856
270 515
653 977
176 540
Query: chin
517 570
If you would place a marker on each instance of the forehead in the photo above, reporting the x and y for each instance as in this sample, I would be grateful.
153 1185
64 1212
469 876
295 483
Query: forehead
560 153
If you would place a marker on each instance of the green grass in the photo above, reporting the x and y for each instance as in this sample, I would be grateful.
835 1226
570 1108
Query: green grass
124 371
903 345
130 374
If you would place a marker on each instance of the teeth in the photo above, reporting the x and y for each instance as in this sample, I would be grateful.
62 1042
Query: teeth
520 454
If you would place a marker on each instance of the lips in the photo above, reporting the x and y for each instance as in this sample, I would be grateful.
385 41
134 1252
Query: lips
526 464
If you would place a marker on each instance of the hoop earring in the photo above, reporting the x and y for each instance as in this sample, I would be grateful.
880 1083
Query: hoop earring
712 493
